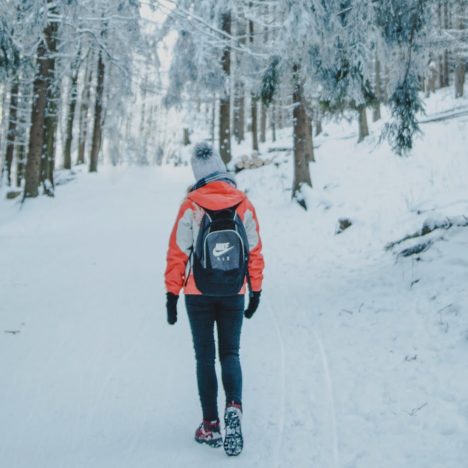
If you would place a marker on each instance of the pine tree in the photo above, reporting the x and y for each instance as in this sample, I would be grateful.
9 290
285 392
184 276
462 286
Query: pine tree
403 28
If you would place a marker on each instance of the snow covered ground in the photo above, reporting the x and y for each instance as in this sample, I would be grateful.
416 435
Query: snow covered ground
357 358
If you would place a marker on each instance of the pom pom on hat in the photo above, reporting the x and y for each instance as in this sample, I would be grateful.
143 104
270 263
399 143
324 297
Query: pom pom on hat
202 150
206 161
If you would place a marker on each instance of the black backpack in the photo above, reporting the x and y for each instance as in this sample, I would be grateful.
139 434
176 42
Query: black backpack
221 254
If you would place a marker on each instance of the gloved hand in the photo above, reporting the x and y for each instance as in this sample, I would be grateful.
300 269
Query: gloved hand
253 304
171 306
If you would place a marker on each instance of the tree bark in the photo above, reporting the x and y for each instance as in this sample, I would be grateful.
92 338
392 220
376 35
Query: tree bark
12 124
67 159
239 91
460 67
310 143
213 120
225 100
20 158
36 139
273 122
263 123
50 131
254 123
51 117
23 126
318 127
363 126
186 138
253 99
376 114
302 143
239 112
446 51
84 110
98 107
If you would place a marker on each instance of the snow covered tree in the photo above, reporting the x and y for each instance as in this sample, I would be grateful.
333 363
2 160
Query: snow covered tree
403 26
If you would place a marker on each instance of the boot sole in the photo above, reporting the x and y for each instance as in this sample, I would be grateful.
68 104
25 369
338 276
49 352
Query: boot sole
233 440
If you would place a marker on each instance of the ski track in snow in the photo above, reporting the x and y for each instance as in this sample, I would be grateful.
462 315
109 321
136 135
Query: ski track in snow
330 393
281 418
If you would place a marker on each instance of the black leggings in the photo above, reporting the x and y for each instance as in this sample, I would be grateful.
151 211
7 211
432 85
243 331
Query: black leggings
227 313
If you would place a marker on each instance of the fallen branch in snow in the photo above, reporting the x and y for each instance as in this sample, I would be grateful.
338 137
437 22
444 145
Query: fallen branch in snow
416 249
448 115
428 227
279 150
414 411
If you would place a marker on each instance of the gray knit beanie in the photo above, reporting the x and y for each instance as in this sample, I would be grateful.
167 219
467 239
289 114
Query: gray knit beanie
206 161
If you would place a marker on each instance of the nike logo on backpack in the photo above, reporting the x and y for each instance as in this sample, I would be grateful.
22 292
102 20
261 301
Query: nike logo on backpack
221 249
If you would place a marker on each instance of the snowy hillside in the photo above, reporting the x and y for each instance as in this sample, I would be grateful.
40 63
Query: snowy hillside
357 357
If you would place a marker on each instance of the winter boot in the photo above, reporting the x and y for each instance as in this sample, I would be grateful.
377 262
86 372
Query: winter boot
233 441
209 432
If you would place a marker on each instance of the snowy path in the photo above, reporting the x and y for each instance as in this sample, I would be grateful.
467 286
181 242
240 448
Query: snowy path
93 377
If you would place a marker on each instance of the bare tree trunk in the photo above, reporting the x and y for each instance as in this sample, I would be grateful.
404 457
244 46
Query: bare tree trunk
36 139
431 79
460 68
51 117
318 127
67 159
186 137
310 143
376 114
460 78
254 123
239 112
213 120
302 143
363 126
225 100
98 107
24 110
143 156
446 51
11 133
263 123
386 83
239 90
84 109
273 122
20 158
253 98
50 131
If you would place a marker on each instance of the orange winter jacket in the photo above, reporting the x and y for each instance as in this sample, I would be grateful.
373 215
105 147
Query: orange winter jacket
213 196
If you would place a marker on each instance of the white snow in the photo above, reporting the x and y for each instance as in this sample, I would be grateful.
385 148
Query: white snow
356 357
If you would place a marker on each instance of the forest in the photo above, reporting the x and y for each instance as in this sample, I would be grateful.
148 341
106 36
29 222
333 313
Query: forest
81 81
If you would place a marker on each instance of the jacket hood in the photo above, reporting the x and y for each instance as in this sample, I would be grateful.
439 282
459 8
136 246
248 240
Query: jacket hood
217 196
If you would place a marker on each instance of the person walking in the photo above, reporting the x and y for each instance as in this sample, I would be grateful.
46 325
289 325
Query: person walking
215 255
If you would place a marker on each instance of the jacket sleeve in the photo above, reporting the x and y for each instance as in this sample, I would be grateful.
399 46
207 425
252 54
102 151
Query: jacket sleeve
180 245
256 261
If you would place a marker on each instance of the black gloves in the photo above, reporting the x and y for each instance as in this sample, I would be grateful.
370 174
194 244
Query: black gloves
253 304
171 306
